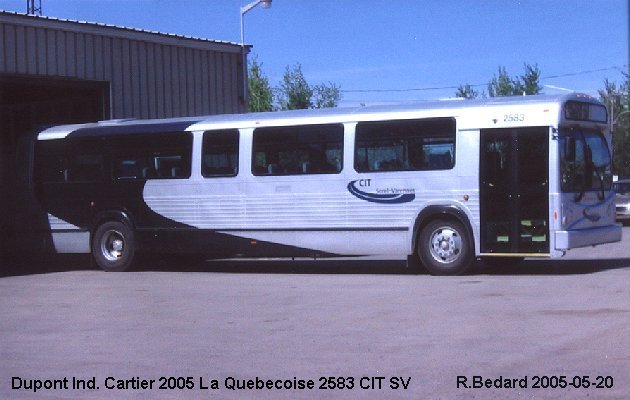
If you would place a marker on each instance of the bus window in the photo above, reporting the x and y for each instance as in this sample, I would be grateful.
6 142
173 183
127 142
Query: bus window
69 161
86 168
297 150
51 161
405 145
152 156
220 153
585 162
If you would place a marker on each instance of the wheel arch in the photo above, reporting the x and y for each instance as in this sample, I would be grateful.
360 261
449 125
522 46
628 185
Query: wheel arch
443 211
110 215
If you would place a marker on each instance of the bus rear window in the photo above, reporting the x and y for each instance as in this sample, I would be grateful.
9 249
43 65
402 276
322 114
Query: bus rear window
69 161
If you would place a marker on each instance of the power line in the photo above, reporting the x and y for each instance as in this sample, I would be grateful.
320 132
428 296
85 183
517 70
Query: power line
475 85
584 72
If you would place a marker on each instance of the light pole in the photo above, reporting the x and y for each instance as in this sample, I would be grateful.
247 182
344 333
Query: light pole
245 10
613 122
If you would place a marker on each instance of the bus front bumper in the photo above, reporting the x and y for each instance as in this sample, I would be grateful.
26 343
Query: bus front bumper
587 237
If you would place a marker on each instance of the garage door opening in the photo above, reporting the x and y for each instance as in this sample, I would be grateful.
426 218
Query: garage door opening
28 105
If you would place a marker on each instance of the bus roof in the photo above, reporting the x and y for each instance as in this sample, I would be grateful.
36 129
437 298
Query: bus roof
313 116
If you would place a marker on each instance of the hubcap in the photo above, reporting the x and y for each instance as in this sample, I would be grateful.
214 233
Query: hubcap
446 245
112 245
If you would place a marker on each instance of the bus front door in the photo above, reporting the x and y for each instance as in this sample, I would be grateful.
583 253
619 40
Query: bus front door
514 191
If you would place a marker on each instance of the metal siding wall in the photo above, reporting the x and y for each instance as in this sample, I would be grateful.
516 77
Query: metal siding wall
158 68
98 59
203 83
227 81
220 81
71 54
10 53
20 38
51 53
198 82
60 48
167 82
116 81
107 59
3 52
236 84
40 43
127 89
147 79
89 58
150 79
174 94
190 81
212 89
182 71
135 79
79 61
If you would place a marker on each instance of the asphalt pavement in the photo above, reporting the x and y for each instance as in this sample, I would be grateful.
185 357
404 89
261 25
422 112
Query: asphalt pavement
546 329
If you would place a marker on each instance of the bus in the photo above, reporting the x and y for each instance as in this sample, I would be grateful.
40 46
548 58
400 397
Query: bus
443 183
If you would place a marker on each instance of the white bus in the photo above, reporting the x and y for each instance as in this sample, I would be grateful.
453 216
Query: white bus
443 183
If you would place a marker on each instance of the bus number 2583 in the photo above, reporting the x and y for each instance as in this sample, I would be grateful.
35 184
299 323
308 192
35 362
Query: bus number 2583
513 117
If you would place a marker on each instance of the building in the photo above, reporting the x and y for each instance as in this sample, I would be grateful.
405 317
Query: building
55 71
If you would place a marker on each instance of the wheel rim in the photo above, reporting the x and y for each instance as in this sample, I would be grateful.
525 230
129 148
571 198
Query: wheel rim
112 245
445 245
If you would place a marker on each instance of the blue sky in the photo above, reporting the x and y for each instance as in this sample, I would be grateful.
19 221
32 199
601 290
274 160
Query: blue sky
394 51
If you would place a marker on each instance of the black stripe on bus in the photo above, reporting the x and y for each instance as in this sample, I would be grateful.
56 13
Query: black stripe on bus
98 131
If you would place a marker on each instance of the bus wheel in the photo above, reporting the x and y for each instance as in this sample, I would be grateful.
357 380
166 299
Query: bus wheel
113 246
445 248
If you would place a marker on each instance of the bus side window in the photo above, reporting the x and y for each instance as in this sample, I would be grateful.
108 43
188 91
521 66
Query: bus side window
219 157
152 156
405 145
168 166
87 168
126 169
298 150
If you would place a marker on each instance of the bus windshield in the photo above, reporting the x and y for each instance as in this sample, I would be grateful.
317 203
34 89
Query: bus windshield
585 162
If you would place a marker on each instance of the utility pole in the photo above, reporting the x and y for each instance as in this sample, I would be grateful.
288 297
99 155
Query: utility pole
34 7
245 10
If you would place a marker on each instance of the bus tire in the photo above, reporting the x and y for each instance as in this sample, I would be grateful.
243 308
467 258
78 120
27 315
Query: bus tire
444 247
113 246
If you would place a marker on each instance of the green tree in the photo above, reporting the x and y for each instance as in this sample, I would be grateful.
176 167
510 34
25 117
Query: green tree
505 85
259 91
467 92
326 95
294 92
616 97
530 81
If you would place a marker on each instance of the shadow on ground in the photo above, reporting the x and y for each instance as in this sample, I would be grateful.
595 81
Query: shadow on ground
42 264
